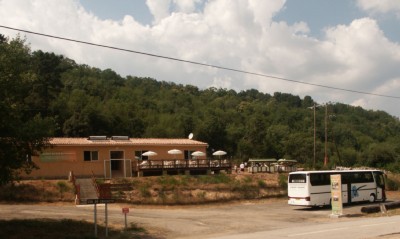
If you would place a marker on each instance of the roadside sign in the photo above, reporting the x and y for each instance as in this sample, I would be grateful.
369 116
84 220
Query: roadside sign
97 201
91 201
125 210
336 194
107 200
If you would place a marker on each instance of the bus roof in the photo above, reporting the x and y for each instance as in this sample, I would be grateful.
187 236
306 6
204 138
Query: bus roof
337 171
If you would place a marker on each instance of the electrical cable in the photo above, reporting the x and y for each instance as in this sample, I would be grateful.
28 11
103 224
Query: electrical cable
200 64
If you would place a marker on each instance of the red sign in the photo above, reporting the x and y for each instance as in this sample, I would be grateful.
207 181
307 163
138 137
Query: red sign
125 210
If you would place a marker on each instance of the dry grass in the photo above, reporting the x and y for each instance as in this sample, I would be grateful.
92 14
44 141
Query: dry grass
164 190
183 190
38 191
68 229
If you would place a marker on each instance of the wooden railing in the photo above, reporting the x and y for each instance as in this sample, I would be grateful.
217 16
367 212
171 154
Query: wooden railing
95 184
183 164
77 187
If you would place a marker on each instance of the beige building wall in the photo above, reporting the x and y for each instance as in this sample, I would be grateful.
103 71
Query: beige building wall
64 157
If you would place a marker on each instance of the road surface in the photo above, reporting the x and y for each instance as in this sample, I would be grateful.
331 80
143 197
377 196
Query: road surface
262 219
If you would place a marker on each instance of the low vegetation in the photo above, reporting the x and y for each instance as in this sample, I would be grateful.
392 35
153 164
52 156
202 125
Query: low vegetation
164 190
37 191
65 229
167 190
182 190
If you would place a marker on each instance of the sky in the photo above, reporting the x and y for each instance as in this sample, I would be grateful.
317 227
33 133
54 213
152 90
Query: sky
329 50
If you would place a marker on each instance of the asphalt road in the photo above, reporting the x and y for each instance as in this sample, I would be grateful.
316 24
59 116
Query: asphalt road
262 219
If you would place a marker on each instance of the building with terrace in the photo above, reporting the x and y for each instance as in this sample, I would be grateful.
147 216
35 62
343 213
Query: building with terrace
121 156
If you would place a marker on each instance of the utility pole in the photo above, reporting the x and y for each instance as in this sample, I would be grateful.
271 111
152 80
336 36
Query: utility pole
326 135
315 133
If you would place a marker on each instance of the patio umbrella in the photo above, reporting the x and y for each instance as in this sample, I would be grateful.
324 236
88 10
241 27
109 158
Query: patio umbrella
149 153
198 153
219 153
174 151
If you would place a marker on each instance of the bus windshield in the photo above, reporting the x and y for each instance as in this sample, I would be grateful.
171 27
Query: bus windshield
297 178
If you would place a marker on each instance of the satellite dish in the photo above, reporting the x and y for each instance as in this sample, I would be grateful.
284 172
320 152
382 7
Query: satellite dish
190 136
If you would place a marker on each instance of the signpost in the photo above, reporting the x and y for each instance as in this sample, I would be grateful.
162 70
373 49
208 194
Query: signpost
125 210
336 195
96 201
99 201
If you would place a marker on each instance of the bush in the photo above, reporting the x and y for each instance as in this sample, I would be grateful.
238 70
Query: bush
392 184
62 188
145 191
282 181
215 179
262 184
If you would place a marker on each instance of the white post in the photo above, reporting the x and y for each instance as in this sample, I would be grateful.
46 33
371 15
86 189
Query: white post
106 219
95 220
126 223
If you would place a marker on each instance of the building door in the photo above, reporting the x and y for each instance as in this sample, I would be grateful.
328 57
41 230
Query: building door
117 163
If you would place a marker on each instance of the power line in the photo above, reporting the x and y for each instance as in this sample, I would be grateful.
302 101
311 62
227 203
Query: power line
199 63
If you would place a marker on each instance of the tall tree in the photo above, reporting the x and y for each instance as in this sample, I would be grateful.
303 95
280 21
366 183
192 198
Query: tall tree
23 132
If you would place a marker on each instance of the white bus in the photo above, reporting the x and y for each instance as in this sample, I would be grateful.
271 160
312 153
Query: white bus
312 188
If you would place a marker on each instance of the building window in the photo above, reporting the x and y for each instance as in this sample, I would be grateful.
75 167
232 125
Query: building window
187 154
139 155
116 154
90 155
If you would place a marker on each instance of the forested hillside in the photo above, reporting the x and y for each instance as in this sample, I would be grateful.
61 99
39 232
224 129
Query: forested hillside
44 95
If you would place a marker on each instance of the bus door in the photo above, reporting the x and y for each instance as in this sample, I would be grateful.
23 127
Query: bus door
348 184
380 185
346 188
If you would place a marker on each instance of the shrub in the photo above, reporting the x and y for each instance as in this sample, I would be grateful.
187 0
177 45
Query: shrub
392 184
215 179
62 188
282 181
145 191
262 184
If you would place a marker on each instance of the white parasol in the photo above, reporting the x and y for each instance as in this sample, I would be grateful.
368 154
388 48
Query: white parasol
149 153
174 151
198 154
219 153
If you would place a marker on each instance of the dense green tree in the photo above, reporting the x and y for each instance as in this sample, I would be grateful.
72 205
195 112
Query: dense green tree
23 130
43 89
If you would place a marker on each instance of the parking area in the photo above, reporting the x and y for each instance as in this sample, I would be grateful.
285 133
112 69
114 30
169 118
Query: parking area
203 221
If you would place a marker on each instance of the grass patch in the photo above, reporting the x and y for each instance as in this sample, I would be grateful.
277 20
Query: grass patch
37 191
64 229
195 189
215 179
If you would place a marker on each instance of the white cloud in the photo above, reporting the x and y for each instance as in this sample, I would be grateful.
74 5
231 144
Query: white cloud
380 6
186 6
159 9
237 34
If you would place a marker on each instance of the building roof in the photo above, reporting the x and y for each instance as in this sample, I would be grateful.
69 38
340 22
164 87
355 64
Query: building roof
126 142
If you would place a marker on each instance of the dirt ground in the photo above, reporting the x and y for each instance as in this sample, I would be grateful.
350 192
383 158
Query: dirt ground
189 221
195 221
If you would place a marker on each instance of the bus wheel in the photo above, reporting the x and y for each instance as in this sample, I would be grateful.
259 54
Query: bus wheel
372 197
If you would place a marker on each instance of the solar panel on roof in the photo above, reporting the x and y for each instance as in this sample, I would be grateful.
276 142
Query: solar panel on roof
97 137
120 137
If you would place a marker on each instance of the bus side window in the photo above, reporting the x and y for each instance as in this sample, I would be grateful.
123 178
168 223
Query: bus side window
379 179
367 176
345 178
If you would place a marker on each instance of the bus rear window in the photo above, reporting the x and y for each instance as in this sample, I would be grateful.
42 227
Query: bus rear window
297 178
